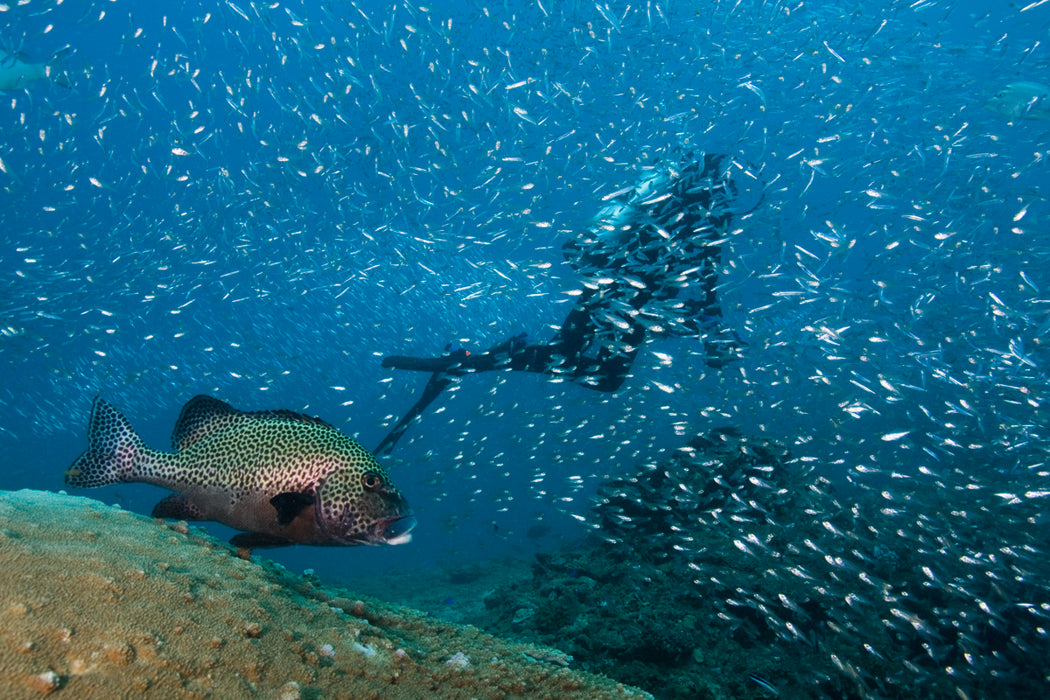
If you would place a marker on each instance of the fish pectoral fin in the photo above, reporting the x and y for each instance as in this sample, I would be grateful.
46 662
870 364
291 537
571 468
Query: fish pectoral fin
258 540
289 505
177 507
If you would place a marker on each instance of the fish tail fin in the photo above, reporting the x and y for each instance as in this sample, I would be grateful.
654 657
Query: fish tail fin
114 450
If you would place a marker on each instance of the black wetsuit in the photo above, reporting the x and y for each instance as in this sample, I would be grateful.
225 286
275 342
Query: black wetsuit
648 246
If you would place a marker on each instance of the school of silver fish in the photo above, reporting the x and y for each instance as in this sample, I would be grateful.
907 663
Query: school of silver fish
251 198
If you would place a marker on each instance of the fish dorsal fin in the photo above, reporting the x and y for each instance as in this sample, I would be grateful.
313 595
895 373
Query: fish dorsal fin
205 415
201 416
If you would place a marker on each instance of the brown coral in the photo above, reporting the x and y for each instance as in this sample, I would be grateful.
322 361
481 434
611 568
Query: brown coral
98 602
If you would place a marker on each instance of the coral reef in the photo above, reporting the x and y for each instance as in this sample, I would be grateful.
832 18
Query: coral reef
733 571
630 601
101 603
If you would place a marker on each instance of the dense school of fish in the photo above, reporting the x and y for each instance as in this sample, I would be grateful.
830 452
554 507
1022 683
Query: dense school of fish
907 588
236 197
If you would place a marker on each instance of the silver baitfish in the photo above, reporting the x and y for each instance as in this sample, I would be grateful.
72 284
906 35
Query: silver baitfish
282 477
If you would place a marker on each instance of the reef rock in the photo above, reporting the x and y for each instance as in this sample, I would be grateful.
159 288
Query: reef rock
96 602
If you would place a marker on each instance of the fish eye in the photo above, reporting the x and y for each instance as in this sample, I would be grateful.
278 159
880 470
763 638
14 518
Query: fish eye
372 481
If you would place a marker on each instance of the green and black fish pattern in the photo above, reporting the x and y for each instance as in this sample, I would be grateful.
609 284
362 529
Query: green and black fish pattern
281 477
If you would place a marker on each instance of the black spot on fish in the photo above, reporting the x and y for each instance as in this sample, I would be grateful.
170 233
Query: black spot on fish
289 505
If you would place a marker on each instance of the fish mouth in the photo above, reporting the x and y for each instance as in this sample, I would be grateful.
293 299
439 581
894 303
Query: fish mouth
395 530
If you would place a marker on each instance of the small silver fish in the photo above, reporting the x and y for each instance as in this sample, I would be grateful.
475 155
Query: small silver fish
282 477
770 689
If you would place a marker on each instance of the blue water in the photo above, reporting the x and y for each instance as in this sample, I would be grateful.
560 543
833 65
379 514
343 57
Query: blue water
259 201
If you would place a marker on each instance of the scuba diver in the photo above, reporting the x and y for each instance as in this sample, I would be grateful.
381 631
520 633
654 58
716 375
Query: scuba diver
650 264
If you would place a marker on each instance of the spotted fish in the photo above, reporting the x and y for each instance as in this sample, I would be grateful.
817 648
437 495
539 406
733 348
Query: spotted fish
282 477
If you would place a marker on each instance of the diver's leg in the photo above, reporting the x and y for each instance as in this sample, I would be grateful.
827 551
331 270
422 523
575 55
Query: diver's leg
438 382
445 363
559 356
564 356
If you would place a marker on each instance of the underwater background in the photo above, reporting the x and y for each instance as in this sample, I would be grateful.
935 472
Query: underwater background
260 200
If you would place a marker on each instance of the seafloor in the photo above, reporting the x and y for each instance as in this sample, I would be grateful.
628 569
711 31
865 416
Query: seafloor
730 570
733 570
98 602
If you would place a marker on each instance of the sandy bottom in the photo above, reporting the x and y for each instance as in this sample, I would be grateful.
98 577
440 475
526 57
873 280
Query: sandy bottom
96 602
